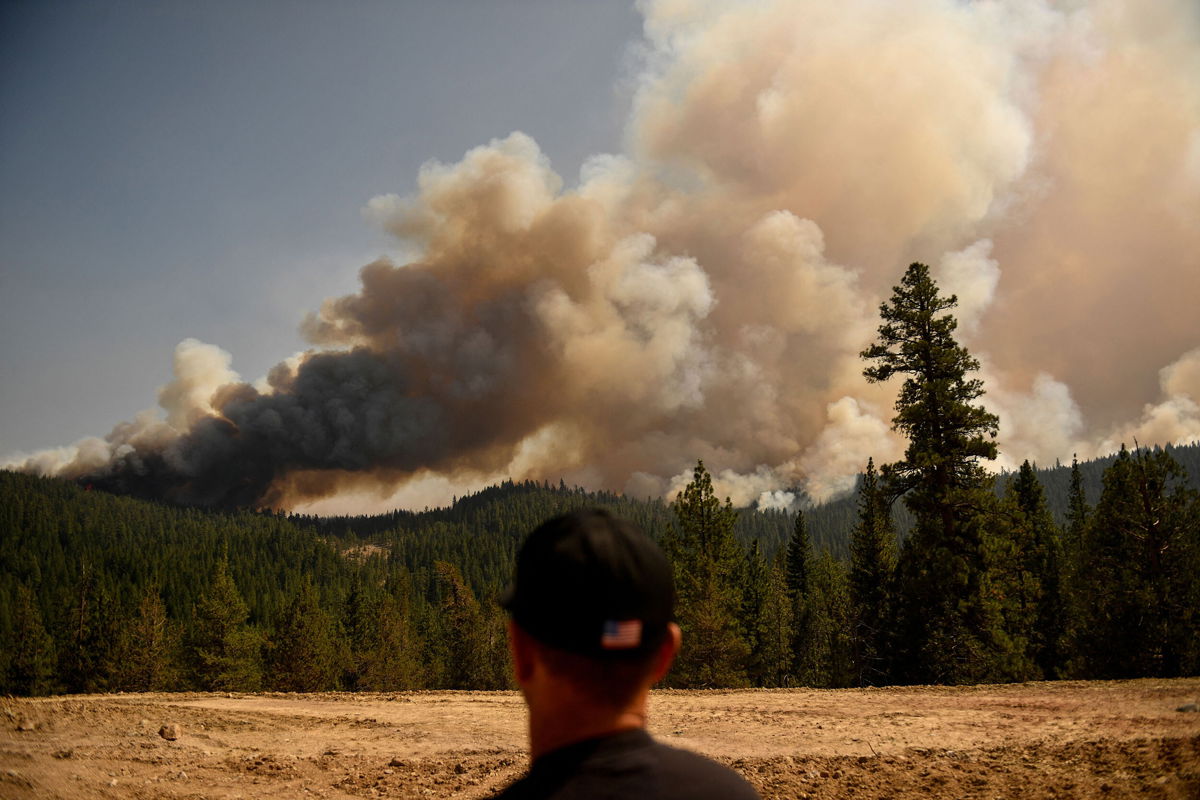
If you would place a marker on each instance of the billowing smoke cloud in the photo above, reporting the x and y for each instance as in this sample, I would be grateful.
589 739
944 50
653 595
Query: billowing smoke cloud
706 293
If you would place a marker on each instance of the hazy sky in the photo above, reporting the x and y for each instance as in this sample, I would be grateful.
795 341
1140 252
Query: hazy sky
182 183
198 169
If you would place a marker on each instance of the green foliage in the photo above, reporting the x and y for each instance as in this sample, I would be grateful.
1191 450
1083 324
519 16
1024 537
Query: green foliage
768 617
307 652
1077 510
146 649
28 666
226 652
947 434
1026 577
799 558
475 637
1137 571
823 647
99 592
872 574
818 598
91 631
390 663
708 562
947 625
384 648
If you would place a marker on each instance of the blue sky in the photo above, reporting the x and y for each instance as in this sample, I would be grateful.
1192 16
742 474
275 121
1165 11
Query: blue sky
197 169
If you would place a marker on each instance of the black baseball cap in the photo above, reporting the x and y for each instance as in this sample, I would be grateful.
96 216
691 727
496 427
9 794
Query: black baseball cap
593 584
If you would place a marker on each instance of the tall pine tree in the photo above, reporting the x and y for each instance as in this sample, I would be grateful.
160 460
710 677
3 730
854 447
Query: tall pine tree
226 653
767 617
29 655
872 571
307 652
1025 561
949 631
708 562
1138 574
146 647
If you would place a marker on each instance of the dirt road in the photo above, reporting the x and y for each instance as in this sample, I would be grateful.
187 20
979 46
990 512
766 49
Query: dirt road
1042 740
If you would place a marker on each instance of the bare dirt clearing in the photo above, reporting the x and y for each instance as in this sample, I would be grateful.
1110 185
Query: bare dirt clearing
1041 740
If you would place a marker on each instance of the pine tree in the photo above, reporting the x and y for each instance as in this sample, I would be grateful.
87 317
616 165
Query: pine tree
872 572
1078 511
1138 575
754 596
1025 560
1074 574
948 629
773 659
823 655
30 652
1045 560
472 635
707 561
799 582
226 652
86 650
767 616
799 557
391 664
360 620
307 654
143 656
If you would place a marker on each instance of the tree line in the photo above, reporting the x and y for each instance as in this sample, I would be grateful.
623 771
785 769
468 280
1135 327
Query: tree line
934 572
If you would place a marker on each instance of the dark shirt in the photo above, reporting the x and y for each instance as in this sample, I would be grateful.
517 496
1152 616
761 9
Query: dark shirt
628 764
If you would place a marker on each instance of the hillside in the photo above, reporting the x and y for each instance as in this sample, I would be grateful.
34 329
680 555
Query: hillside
402 599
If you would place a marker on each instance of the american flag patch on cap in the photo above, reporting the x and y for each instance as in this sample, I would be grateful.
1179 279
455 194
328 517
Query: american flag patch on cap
621 634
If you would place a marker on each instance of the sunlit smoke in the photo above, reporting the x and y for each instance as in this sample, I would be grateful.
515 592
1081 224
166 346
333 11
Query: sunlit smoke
705 294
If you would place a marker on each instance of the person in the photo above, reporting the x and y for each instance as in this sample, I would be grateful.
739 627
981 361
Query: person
591 629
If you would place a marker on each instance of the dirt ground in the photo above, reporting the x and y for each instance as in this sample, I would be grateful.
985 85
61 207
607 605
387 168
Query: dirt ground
1040 740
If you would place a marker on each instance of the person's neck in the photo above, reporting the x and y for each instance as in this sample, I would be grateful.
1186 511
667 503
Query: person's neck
559 725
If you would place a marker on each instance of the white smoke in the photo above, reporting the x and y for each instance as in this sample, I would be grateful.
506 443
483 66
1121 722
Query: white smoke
706 293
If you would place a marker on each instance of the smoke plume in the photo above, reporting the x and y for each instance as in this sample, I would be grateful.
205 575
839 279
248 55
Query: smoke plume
705 293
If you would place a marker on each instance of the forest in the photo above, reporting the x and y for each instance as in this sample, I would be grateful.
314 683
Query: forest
934 571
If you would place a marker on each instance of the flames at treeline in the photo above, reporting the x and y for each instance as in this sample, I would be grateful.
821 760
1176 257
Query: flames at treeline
705 294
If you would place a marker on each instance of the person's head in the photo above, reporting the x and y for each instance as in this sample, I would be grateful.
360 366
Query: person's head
592 604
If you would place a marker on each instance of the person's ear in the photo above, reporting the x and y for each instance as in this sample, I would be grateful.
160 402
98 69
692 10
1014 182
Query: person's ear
521 647
667 651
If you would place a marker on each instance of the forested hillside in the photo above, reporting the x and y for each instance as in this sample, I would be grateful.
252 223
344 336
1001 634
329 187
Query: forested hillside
118 586
934 571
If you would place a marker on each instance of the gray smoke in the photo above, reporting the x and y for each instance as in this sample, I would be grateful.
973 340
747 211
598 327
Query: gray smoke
705 294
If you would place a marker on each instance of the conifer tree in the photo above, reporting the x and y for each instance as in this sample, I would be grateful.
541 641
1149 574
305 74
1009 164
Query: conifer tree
143 656
1138 572
1077 510
1045 560
360 620
773 659
708 561
307 654
226 653
948 629
767 615
473 635
29 667
1025 561
85 653
1074 574
822 655
799 557
872 571
799 581
390 663
754 596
